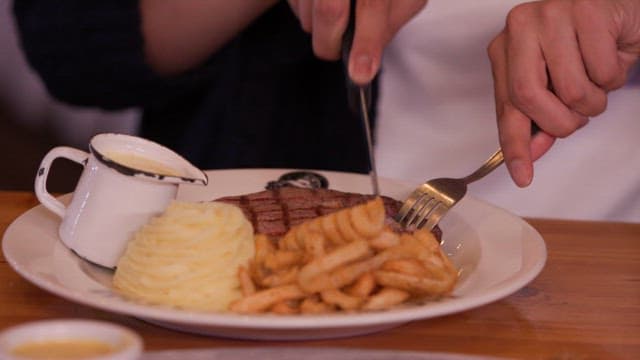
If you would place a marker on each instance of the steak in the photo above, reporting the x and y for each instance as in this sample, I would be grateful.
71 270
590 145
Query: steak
273 212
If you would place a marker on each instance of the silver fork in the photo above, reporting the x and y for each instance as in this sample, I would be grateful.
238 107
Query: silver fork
430 201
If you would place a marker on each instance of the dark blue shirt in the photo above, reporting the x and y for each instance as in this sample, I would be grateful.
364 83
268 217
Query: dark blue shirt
264 100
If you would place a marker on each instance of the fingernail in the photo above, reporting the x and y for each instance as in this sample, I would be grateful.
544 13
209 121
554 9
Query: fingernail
520 172
362 68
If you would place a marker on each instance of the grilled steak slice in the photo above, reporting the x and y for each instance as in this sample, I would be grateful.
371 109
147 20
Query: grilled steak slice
273 212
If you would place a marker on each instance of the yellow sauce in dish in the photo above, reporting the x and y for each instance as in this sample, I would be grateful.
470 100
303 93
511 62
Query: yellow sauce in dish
139 162
63 349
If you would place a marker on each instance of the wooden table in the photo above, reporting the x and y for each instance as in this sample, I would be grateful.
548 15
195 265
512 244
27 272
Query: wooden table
584 305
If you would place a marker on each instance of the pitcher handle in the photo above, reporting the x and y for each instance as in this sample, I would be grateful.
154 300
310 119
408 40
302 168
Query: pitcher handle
47 200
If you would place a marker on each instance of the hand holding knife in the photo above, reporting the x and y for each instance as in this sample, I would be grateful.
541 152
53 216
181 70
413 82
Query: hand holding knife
359 96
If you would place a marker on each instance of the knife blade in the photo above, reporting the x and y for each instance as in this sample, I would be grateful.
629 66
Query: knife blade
359 97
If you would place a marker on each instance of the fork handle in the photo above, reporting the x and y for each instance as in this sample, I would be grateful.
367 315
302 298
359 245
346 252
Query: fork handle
493 162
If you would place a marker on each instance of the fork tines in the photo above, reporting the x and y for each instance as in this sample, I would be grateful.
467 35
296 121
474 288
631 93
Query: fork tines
421 210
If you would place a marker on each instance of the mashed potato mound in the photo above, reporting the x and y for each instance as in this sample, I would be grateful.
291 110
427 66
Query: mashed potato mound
188 257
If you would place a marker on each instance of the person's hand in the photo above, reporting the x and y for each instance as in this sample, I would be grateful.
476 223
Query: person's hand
377 21
554 63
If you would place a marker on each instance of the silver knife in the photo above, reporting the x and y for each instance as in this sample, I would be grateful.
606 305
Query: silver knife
359 97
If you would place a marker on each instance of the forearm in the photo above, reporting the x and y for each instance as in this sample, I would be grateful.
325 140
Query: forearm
182 34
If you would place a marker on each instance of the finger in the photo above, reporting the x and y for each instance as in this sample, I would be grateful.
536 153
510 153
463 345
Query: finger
529 88
403 11
330 19
305 11
513 125
515 142
371 35
569 78
293 4
599 47
540 144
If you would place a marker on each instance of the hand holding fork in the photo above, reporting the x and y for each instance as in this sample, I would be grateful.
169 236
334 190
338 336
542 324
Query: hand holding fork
428 203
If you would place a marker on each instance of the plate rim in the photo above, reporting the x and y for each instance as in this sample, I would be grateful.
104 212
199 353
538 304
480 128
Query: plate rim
287 322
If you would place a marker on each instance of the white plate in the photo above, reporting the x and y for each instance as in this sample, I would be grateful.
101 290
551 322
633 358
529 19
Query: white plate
497 252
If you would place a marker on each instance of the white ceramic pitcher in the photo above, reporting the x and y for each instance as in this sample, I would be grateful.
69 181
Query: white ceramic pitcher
126 180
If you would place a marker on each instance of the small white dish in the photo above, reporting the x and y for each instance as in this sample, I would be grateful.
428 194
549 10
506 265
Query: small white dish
122 343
